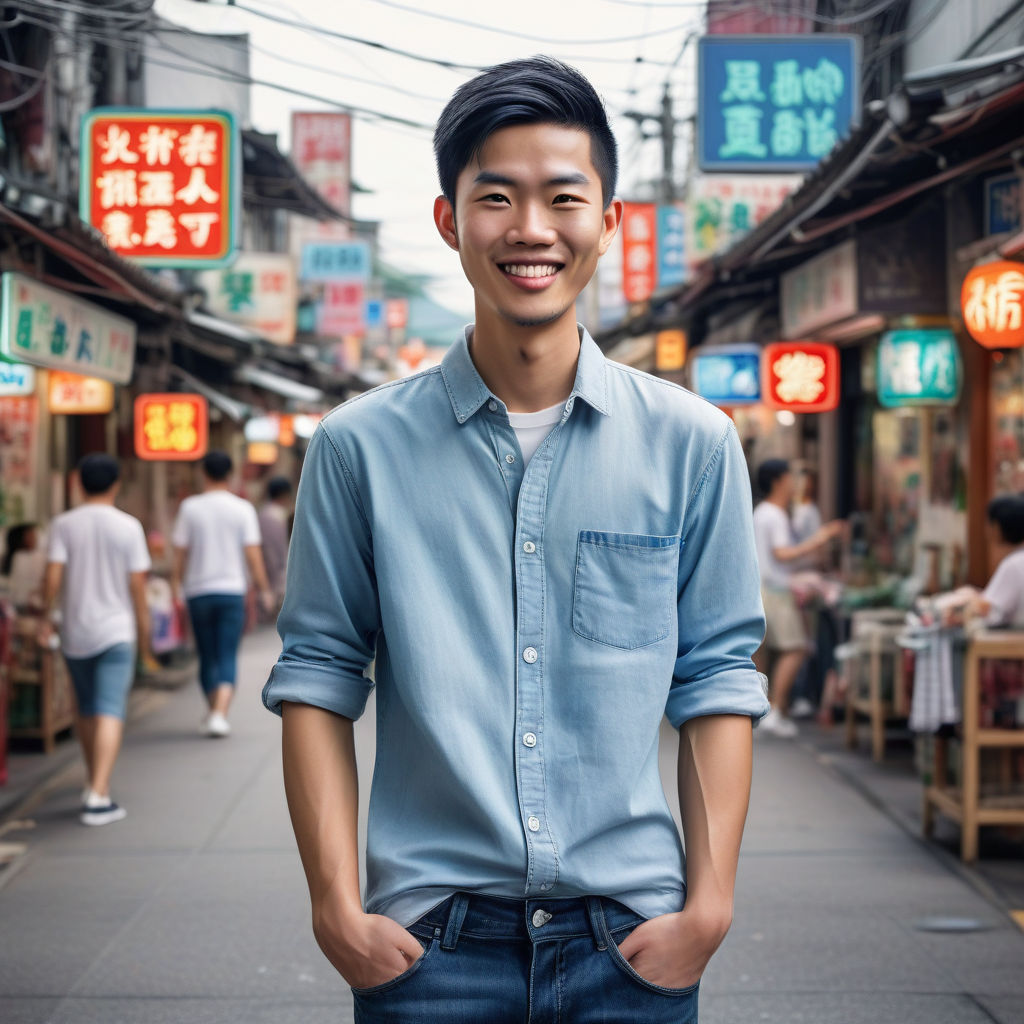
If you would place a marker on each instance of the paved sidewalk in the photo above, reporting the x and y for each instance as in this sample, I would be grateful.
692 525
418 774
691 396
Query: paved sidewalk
194 909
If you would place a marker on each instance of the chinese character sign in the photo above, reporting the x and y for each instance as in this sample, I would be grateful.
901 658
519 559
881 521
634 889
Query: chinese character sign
321 150
774 102
335 261
800 376
671 246
162 186
71 394
639 250
728 374
992 302
397 313
1002 204
171 428
918 367
342 309
259 290
47 327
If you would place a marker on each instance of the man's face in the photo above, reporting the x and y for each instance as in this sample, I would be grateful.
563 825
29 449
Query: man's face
784 488
529 222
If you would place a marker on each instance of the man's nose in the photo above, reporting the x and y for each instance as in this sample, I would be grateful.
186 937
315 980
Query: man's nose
531 226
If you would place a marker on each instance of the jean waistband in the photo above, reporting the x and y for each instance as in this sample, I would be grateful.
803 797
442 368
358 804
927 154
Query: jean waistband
534 920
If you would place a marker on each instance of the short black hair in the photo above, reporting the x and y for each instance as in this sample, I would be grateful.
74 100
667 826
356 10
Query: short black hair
217 465
98 472
278 486
1007 512
536 90
768 472
17 536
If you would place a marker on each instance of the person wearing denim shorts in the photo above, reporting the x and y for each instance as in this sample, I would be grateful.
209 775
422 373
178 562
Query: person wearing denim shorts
546 553
97 564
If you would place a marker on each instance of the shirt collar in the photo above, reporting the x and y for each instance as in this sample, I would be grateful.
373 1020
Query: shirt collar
468 392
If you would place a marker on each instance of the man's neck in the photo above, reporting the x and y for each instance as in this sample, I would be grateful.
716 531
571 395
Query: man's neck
212 486
778 502
528 368
100 499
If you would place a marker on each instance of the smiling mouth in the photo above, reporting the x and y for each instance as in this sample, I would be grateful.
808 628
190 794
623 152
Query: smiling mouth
530 270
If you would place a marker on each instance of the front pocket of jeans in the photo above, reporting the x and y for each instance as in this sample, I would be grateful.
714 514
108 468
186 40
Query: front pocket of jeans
408 973
616 955
625 588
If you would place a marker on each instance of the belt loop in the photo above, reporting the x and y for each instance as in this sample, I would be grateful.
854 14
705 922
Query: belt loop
598 924
456 915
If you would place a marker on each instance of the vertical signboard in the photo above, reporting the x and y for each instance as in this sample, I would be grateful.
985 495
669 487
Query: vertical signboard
321 150
1002 204
774 102
343 308
162 186
671 246
639 250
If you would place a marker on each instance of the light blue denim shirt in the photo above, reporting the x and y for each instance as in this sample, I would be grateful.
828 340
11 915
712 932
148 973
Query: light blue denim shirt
530 628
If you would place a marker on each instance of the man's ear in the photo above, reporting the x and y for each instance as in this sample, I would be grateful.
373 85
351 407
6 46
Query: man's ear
612 218
444 218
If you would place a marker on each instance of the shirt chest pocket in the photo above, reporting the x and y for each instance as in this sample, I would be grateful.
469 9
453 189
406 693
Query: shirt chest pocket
625 589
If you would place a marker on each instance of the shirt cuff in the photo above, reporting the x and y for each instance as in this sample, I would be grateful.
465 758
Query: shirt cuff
732 692
323 686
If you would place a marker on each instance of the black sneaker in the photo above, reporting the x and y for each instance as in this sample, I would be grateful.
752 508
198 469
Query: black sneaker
102 814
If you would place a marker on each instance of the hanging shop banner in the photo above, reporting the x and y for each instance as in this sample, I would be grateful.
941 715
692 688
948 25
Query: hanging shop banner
71 394
670 350
16 379
19 457
163 186
723 207
321 150
919 367
1002 204
171 427
821 291
342 309
47 327
774 103
397 313
335 261
728 374
259 290
992 302
374 313
801 376
671 246
639 250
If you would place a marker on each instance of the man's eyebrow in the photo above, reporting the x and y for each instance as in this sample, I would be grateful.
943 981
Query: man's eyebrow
492 178
575 178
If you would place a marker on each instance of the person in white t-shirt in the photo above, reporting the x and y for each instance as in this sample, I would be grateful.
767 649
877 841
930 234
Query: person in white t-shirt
97 563
216 538
1001 603
777 549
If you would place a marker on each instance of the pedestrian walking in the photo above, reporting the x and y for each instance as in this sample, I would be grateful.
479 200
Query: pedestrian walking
96 576
216 538
274 519
24 564
786 643
533 541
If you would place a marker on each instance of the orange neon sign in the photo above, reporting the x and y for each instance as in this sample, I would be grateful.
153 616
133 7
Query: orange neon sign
171 428
992 302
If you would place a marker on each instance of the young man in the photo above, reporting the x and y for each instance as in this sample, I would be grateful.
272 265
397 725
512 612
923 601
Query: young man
216 536
546 552
777 550
97 564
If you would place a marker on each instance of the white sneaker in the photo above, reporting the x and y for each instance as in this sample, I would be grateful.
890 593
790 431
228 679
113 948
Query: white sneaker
778 725
101 810
801 708
215 725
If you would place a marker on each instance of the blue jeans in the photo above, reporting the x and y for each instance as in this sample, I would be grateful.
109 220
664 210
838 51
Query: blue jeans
217 622
505 961
102 682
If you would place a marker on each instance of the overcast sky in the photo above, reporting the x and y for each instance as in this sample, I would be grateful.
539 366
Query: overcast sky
397 162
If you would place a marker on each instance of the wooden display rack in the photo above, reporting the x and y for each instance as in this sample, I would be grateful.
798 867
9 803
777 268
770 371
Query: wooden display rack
33 666
875 631
966 805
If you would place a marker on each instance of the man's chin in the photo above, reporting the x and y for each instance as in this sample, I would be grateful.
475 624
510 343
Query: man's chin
540 320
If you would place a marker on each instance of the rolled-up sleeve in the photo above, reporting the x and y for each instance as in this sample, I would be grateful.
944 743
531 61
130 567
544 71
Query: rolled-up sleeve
720 615
331 614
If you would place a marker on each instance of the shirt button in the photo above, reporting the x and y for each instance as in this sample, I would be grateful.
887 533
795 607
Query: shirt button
492 405
529 547
533 823
540 917
530 739
510 458
530 655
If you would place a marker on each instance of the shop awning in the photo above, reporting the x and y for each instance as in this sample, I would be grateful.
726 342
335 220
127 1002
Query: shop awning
279 385
232 408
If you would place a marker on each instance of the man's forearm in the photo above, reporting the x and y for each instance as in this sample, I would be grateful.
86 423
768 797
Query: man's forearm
714 774
321 784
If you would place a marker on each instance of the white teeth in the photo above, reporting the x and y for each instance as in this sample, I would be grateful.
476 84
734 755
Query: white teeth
530 270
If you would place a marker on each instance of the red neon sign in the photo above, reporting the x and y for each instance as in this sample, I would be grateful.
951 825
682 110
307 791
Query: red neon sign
171 428
801 376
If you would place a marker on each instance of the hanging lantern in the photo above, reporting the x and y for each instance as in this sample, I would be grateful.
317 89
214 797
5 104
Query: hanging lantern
992 303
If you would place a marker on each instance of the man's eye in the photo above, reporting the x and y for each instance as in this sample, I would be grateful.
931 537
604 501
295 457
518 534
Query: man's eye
495 197
565 198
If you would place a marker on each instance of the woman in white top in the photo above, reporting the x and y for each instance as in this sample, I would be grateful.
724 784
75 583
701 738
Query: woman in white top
216 537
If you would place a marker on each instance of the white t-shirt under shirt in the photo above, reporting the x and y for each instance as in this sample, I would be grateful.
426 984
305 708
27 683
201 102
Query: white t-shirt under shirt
99 546
532 427
772 530
1005 592
216 527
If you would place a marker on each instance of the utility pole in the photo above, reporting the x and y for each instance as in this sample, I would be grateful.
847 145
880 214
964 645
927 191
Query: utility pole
665 129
